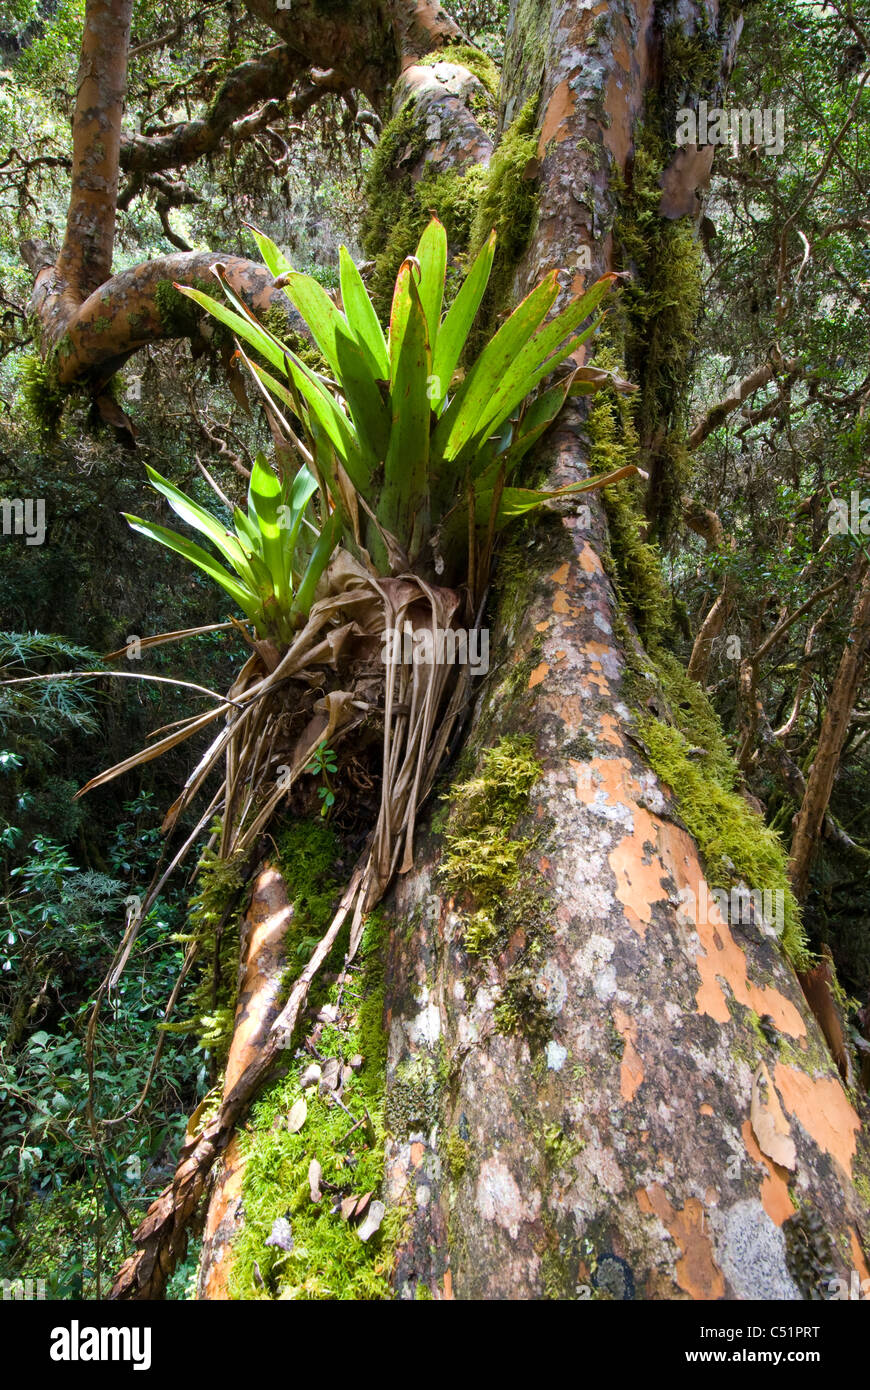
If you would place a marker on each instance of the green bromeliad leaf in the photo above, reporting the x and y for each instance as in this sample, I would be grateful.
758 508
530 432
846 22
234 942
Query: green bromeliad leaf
391 427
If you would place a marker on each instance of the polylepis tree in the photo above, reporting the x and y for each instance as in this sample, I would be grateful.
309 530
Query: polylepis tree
587 1086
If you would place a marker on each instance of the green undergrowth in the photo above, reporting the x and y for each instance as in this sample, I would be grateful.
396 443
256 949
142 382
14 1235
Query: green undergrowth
328 1259
691 756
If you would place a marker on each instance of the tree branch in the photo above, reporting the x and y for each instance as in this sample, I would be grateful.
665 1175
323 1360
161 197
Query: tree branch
85 260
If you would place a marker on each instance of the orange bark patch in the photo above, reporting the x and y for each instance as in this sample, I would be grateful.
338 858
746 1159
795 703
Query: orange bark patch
823 1109
583 789
724 959
416 1154
774 1187
609 730
221 1223
561 575
266 925
706 1109
561 605
617 135
631 1067
588 561
559 108
858 1259
639 874
538 675
696 1273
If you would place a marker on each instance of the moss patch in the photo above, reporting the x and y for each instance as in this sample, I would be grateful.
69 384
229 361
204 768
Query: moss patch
735 842
508 203
43 396
328 1259
661 308
635 565
483 857
215 928
399 206
477 62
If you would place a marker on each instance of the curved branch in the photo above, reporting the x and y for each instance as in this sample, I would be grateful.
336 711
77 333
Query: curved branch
130 310
250 85
751 383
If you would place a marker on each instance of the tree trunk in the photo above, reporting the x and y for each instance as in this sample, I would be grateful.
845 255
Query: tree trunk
592 1109
588 1091
835 727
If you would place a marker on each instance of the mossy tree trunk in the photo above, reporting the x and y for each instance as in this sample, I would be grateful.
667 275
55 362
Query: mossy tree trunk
589 1092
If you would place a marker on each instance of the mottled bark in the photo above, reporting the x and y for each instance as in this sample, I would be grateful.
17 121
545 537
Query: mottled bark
262 949
606 1134
127 311
85 260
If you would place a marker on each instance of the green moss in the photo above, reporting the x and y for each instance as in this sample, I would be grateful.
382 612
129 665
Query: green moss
508 204
560 1144
43 396
483 858
457 1152
635 564
660 308
469 203
477 62
691 63
308 852
328 1259
735 842
522 1007
399 206
181 317
178 315
215 928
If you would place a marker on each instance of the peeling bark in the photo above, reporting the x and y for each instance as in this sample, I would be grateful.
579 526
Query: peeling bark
162 1236
609 1146
86 258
